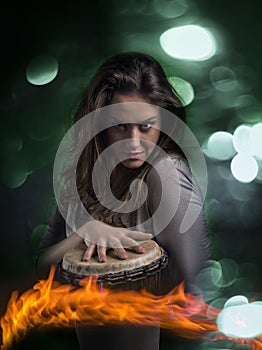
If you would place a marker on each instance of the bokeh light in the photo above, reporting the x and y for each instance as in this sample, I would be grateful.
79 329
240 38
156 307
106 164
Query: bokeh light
247 139
220 146
42 70
247 107
239 190
184 89
240 319
249 269
214 210
250 213
189 42
217 303
229 272
243 285
170 8
11 144
241 139
244 167
256 140
41 125
38 154
223 78
246 77
236 300
131 7
207 279
224 172
14 171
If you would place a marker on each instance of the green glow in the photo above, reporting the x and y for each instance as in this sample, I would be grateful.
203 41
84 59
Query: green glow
42 70
130 7
170 8
38 154
223 79
239 191
220 146
224 172
39 126
250 213
247 107
184 89
244 167
14 172
222 345
207 280
229 272
249 269
218 303
241 139
11 144
188 42
243 284
212 274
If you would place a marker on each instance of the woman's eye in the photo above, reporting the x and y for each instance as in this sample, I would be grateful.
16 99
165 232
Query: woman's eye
146 126
120 126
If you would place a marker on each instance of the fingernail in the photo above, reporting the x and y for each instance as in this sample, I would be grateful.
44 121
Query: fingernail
141 249
123 256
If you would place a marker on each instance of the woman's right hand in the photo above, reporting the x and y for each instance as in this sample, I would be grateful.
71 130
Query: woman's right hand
99 237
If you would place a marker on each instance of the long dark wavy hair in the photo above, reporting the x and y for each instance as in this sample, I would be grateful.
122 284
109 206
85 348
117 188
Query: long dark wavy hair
130 72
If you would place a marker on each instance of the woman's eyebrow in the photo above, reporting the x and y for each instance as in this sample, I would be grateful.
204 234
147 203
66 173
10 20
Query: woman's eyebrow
119 121
151 119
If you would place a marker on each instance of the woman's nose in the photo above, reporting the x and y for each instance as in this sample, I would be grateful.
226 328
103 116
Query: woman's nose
134 136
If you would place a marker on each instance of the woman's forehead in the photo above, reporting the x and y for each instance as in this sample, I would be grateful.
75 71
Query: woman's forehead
132 112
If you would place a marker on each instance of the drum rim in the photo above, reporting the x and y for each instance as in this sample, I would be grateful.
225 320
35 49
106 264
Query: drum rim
72 261
125 276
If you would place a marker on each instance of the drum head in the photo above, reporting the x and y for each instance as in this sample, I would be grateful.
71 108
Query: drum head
72 261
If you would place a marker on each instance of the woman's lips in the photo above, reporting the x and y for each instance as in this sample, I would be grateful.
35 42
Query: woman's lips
134 155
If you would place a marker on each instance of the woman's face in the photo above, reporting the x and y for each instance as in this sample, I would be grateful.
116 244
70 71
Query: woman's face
138 125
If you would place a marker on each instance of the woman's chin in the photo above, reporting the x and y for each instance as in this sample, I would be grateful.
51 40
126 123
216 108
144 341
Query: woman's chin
133 163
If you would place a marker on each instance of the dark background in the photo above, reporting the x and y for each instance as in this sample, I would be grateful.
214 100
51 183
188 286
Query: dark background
35 118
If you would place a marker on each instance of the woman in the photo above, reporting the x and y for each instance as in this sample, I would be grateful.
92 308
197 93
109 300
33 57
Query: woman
132 145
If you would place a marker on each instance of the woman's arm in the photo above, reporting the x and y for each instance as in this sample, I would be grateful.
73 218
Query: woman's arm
97 235
54 244
185 236
54 254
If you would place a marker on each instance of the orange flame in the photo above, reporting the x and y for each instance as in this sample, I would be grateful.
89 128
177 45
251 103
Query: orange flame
50 303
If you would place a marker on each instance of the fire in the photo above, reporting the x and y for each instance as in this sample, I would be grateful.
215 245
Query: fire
51 303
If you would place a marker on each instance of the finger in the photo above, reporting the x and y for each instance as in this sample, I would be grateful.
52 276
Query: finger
101 251
139 236
128 242
89 252
87 243
138 249
120 253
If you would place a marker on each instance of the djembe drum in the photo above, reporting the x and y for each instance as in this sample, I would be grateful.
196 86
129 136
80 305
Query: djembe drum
135 273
